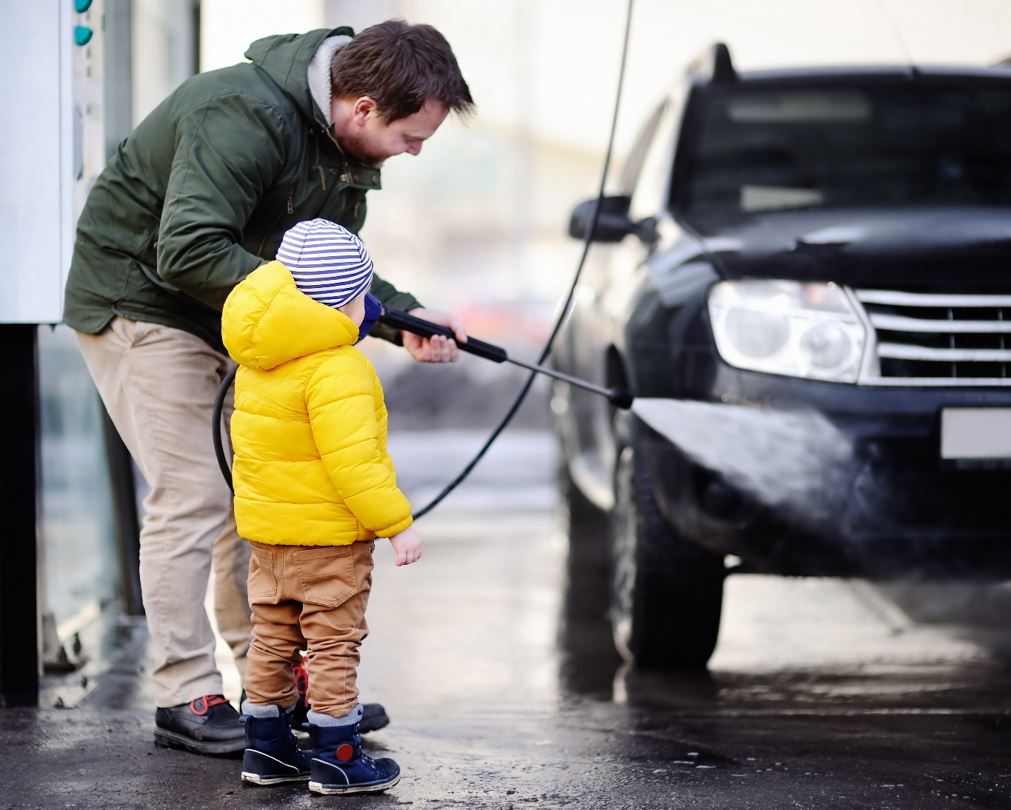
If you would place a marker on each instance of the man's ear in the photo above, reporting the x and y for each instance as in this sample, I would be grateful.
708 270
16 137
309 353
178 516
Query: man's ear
362 109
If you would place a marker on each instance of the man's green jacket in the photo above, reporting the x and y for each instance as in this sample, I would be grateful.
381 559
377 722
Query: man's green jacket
204 188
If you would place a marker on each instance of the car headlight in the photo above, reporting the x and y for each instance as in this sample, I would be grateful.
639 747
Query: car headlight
788 327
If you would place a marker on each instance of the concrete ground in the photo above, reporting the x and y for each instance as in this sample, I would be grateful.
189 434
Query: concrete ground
504 691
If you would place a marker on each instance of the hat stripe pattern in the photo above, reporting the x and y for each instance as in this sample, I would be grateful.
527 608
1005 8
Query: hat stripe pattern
328 262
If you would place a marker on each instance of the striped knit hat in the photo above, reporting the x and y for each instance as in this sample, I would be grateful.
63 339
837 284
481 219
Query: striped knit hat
328 262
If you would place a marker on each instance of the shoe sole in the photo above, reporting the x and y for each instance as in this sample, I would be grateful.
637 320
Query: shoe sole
256 779
269 770
338 790
170 739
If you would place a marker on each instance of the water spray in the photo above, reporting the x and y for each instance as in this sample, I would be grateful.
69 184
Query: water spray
794 460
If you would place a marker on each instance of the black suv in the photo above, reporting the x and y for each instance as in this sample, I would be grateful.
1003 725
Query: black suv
807 289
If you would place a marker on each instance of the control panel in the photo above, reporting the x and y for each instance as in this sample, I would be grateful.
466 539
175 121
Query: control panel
51 148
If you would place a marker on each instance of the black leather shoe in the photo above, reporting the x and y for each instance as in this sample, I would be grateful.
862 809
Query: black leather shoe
374 717
207 725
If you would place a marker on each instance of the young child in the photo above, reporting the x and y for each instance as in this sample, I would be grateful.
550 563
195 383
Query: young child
314 486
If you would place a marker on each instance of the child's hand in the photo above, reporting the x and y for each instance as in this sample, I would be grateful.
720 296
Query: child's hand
407 544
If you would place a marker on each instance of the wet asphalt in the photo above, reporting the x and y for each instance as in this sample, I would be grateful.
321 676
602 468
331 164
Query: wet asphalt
504 691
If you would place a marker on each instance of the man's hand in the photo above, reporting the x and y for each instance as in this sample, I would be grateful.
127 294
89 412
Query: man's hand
436 349
407 544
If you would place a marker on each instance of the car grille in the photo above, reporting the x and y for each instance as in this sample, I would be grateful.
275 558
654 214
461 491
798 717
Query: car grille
937 339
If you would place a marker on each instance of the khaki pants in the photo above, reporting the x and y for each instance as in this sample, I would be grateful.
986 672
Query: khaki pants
310 597
158 385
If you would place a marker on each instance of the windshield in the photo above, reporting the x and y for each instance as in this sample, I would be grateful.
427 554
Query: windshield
871 144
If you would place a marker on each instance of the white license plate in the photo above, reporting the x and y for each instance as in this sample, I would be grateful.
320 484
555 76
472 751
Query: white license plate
975 433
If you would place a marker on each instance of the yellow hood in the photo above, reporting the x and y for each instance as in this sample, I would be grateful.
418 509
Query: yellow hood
267 321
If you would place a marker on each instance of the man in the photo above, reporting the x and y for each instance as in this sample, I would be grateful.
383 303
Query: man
195 198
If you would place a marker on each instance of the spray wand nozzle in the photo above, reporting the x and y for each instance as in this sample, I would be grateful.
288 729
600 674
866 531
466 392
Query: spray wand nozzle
489 351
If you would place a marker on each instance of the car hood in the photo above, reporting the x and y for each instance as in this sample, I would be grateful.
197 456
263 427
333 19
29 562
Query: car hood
928 248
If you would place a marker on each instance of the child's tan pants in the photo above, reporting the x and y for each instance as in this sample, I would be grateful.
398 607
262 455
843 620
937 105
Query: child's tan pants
308 597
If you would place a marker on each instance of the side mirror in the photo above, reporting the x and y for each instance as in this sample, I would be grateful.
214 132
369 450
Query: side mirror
612 223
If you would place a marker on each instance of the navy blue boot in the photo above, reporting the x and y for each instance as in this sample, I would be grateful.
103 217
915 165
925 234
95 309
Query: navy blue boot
340 766
272 755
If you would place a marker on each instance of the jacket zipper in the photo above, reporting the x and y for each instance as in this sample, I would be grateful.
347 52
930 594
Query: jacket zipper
319 163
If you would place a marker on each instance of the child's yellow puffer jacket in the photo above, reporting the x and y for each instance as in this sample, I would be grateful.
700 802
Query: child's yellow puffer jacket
309 428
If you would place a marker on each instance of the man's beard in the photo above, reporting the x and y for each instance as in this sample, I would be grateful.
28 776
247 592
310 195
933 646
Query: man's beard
355 146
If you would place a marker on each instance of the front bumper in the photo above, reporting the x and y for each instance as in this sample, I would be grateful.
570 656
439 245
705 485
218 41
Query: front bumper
799 477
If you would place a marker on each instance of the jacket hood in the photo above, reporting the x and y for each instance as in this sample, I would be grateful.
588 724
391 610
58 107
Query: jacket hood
267 321
286 58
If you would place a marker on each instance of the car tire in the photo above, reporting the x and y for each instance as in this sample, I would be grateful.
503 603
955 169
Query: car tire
666 592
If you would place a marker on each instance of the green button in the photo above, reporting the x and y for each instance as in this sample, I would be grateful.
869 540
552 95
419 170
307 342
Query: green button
82 5
82 34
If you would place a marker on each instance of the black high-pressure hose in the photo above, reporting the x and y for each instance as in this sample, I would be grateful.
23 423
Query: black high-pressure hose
404 321
219 407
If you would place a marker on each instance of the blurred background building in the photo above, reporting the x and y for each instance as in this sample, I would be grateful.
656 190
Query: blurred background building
476 226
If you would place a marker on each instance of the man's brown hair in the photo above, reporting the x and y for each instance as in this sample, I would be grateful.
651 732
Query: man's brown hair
400 66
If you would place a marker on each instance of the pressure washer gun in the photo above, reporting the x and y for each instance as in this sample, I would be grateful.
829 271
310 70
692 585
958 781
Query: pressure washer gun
489 351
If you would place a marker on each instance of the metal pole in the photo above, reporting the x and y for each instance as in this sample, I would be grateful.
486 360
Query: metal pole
19 481
558 375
